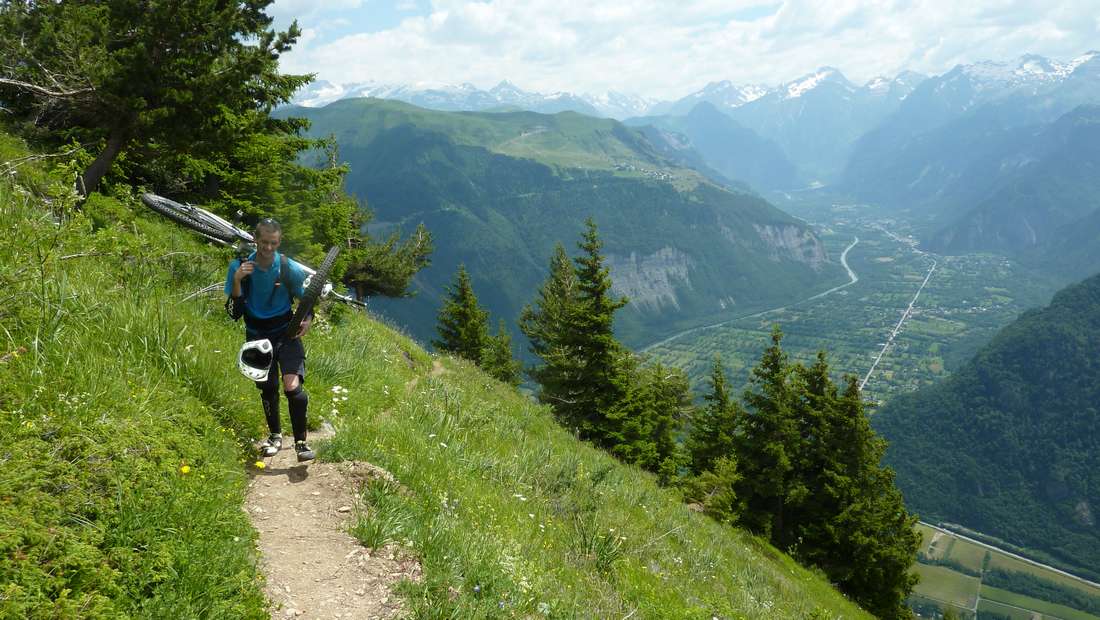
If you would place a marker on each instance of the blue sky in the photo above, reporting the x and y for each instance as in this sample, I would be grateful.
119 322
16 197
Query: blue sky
664 49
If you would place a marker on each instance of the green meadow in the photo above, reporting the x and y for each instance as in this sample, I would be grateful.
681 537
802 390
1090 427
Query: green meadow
129 437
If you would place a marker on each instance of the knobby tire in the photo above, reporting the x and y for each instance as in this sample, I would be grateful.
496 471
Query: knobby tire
179 214
313 292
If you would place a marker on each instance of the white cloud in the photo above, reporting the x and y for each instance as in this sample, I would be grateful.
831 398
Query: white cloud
656 48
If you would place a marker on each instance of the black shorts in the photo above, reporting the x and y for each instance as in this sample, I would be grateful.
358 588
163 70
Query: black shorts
290 359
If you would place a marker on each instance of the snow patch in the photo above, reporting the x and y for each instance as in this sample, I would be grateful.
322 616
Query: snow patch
804 85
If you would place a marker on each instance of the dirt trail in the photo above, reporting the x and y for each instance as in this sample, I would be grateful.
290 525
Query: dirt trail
313 567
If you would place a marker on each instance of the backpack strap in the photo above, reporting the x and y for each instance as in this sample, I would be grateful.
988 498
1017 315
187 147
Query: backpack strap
284 280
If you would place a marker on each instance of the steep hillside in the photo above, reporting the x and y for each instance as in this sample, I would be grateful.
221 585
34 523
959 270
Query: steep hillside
127 430
498 190
1010 444
1054 184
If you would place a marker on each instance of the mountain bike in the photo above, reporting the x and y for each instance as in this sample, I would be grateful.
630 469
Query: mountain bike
224 232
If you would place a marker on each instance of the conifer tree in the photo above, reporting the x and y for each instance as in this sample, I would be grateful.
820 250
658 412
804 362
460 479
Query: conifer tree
766 446
712 451
842 512
497 358
715 490
590 337
583 374
868 547
644 421
157 73
463 324
715 426
545 326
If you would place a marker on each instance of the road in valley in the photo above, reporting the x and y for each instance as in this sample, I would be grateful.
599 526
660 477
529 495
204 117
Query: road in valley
852 279
897 328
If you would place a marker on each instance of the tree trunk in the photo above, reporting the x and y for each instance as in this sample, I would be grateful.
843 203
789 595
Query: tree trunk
89 181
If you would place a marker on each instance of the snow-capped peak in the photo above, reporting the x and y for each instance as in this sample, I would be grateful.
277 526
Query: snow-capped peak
506 88
1072 65
898 87
730 95
1027 70
809 82
879 84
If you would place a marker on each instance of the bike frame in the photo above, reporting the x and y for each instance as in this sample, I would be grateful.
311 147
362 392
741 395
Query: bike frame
243 243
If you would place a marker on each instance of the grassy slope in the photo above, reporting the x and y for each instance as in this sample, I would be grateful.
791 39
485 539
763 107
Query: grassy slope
122 384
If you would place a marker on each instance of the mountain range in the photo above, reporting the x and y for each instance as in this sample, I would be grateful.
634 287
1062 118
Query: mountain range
996 157
499 189
467 97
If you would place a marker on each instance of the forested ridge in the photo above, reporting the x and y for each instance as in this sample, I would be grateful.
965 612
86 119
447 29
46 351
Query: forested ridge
1010 444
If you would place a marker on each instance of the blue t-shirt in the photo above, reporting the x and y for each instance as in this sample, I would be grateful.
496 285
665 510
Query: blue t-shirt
259 302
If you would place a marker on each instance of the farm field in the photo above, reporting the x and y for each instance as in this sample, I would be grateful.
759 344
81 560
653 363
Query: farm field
966 300
992 608
1019 601
946 583
946 586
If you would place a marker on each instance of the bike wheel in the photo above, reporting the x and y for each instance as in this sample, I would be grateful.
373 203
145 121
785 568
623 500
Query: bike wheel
313 292
186 216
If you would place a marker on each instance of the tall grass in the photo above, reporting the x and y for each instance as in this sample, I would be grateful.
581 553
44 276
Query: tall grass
120 470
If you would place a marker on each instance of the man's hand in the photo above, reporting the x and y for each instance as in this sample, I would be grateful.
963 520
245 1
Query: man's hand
304 327
244 271
240 274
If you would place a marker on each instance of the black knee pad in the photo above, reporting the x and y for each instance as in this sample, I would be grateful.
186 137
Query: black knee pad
297 395
296 401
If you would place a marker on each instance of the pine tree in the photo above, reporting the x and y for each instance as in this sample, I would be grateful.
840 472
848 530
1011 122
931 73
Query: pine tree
810 478
644 421
715 490
583 374
590 337
545 326
159 73
715 427
463 324
873 539
815 498
766 446
497 357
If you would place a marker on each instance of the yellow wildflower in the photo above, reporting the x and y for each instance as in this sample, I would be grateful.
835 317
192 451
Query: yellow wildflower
185 469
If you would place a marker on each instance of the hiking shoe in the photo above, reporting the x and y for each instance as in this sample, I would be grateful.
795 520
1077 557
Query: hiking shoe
271 445
305 453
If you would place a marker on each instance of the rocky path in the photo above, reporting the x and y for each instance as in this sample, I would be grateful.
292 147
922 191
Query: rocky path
313 567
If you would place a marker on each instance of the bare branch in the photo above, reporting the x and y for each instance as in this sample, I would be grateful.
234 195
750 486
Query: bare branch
45 92
10 165
206 289
81 255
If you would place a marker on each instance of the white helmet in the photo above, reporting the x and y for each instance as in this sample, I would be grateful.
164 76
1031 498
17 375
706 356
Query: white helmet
255 359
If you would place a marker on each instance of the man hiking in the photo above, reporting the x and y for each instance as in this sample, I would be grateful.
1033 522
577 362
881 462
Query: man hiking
260 289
